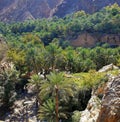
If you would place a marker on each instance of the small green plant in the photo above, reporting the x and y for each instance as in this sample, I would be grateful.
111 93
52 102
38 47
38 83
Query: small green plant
76 116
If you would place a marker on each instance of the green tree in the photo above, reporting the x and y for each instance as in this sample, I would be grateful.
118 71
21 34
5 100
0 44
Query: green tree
36 81
54 87
9 76
53 53
47 111
18 58
3 50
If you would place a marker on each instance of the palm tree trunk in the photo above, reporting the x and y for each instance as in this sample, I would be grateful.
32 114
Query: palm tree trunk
56 103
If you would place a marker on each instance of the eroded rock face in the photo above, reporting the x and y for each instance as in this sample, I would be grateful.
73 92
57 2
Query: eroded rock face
110 110
19 10
107 107
108 68
89 6
91 39
90 114
24 109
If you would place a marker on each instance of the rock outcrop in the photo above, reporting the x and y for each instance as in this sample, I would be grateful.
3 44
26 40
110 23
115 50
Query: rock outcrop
89 6
104 105
24 109
90 114
108 68
110 110
91 39
20 10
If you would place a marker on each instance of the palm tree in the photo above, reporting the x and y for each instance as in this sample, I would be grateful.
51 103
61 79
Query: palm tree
36 81
56 85
47 111
54 52
9 76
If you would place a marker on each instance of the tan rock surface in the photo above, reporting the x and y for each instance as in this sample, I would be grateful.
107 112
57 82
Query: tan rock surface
110 111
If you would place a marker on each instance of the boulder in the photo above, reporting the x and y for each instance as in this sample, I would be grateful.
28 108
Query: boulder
105 108
90 114
110 110
108 68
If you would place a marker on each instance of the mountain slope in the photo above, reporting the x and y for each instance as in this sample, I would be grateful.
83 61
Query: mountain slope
20 10
89 6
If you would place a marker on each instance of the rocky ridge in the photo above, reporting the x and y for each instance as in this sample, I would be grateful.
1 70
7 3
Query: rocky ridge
110 110
20 10
91 39
107 108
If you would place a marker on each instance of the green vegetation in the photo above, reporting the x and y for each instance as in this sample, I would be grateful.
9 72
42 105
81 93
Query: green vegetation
69 27
57 88
8 77
29 57
76 116
42 47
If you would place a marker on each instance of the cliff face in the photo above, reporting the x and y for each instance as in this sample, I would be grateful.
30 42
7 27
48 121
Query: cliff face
110 110
91 39
89 6
104 104
19 10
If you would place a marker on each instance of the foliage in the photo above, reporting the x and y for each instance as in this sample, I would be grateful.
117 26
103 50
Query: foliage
3 50
56 88
47 111
36 80
8 77
88 80
69 27
28 42
56 80
42 46
76 116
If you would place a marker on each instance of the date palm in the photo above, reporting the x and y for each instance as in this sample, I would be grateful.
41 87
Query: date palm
36 81
47 111
55 86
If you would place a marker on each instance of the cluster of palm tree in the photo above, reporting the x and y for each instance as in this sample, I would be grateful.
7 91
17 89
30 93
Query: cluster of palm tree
61 94
52 92
30 54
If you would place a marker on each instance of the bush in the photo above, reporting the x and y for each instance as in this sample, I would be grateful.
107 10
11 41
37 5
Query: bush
76 116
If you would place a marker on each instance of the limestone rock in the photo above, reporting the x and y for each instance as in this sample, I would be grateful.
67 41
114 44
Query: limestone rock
110 110
24 109
108 67
90 114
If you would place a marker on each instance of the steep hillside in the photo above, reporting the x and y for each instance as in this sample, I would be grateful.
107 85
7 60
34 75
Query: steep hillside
91 39
89 6
19 10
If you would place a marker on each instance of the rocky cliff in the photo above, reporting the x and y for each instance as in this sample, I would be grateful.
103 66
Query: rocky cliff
89 6
104 105
110 110
91 39
19 10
